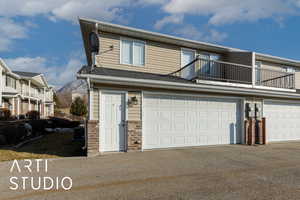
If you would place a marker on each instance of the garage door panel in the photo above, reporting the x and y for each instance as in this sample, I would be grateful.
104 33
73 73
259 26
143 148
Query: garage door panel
189 121
283 121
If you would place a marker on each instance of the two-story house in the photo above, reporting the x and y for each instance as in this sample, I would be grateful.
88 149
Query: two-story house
22 92
149 90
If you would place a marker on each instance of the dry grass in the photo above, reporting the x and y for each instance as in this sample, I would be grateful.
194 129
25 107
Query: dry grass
51 146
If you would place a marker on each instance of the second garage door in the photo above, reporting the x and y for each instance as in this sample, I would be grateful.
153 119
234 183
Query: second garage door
282 120
181 121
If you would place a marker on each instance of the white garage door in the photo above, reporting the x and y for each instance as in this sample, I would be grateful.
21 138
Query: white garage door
181 121
282 121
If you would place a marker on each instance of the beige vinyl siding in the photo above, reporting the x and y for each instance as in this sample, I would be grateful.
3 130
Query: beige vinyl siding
279 67
134 111
159 58
271 66
95 104
297 80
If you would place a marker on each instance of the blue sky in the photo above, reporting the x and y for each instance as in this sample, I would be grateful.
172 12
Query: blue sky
44 36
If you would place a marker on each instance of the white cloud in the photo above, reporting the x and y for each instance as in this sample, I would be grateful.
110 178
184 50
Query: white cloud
231 11
56 75
70 9
172 19
210 35
10 31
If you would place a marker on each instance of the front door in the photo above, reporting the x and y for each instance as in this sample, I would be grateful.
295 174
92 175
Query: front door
112 133
187 56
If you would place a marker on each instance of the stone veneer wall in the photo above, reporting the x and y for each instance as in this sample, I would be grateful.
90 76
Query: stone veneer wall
134 133
92 137
133 129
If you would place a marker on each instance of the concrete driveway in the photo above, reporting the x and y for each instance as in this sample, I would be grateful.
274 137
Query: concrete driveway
222 172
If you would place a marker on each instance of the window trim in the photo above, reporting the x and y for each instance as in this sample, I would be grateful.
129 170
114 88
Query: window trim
258 66
207 53
132 40
287 68
10 82
186 49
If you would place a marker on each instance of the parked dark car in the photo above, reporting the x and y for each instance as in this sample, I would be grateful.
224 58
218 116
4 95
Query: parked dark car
14 133
79 133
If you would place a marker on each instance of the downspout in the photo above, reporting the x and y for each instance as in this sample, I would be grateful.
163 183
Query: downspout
88 82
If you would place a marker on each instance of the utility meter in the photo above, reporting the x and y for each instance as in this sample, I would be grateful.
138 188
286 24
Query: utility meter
258 113
250 111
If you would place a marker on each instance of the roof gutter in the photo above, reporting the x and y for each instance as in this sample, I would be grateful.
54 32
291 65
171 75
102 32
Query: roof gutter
187 87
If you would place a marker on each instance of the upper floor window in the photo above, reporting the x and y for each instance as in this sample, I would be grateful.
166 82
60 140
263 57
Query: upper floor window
290 69
10 82
132 52
208 66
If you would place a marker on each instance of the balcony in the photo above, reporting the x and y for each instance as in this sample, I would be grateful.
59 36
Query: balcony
219 71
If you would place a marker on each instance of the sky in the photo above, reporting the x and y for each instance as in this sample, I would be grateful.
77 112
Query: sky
44 36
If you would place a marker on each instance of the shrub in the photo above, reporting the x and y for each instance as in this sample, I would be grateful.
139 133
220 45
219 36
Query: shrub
78 107
5 114
33 115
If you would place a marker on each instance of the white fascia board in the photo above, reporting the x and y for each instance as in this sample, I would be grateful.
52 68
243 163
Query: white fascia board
159 36
187 87
277 59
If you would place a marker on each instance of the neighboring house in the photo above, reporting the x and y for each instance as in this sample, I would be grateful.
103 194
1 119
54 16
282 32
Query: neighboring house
25 91
149 90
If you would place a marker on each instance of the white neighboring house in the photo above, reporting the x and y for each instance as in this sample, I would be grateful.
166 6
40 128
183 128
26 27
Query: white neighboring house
21 92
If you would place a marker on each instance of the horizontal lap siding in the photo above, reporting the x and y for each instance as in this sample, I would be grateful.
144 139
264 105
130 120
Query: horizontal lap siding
297 80
278 67
160 58
134 111
272 66
95 104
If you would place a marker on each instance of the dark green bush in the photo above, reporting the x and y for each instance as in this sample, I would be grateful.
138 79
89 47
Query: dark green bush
78 107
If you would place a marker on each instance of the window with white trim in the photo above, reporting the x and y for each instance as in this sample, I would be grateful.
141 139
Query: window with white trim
132 52
289 69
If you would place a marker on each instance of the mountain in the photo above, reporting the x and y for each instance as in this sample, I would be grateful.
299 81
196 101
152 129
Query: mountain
77 86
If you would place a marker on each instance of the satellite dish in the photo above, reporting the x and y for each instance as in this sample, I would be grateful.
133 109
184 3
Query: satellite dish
94 42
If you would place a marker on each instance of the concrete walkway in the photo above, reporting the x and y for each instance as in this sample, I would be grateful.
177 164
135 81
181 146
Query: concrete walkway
222 172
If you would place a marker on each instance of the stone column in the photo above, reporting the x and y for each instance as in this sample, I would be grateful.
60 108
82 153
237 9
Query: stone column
134 135
92 138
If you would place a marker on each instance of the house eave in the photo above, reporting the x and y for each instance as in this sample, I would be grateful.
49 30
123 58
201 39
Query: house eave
188 87
276 59
154 36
